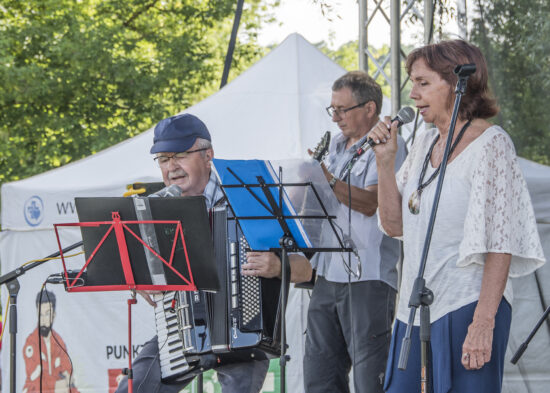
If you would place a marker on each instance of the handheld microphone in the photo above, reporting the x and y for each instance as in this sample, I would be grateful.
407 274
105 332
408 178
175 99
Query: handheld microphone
171 191
404 116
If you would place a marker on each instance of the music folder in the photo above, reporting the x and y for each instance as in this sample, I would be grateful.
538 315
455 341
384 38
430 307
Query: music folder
176 229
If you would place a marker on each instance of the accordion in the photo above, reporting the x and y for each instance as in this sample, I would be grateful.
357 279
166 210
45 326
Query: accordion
198 331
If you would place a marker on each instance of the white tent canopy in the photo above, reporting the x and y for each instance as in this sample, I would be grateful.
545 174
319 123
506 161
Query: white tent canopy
274 110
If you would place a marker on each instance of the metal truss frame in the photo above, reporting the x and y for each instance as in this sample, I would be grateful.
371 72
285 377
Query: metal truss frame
397 54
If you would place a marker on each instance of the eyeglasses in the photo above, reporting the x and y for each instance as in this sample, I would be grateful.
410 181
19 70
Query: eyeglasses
165 159
340 112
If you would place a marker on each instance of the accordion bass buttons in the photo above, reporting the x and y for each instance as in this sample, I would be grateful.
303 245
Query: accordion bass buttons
234 254
184 317
234 261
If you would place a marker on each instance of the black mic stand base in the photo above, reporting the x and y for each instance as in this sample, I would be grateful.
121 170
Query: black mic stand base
525 344
425 336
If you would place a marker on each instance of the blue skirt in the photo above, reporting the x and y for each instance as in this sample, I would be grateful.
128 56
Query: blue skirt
446 371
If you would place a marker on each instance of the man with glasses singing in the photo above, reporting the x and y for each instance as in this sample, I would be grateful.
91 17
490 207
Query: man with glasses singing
183 150
352 304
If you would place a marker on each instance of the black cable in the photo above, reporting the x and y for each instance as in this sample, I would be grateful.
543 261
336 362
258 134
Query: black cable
38 332
345 176
347 180
59 344
350 292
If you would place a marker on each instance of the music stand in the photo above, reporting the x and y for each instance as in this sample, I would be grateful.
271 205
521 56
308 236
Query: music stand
261 205
149 244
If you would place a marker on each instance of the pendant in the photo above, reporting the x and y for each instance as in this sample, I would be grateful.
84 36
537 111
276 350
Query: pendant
414 201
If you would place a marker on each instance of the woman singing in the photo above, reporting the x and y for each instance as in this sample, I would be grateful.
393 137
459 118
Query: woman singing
485 230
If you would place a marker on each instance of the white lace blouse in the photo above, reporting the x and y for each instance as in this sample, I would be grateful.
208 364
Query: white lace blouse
484 207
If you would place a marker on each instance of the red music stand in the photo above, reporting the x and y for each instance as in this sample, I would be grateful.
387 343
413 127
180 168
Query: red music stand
119 228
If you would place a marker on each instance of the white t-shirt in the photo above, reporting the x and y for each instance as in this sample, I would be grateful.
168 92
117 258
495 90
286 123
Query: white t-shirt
484 207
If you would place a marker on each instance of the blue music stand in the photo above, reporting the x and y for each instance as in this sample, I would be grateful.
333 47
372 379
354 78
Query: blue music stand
249 185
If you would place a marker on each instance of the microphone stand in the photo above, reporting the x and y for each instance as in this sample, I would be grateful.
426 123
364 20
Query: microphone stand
421 296
525 344
10 279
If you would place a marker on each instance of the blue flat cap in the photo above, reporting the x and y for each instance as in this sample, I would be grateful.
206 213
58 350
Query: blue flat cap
178 133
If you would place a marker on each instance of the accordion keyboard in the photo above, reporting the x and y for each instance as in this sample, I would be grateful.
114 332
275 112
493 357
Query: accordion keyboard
171 346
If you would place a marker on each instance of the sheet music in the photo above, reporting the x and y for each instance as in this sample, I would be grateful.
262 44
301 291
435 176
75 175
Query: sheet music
297 200
306 203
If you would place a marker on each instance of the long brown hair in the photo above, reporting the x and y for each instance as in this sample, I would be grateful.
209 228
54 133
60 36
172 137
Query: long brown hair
443 57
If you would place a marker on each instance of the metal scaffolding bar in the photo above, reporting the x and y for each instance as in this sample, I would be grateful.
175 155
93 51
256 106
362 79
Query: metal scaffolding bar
462 19
397 54
363 36
428 21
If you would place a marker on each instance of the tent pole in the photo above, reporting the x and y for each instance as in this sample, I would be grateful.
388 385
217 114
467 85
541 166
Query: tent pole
231 47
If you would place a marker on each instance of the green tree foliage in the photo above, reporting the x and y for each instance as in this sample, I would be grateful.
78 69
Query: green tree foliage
347 57
513 35
77 76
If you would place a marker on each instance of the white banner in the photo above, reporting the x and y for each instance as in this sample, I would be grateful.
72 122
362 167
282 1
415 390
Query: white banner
92 326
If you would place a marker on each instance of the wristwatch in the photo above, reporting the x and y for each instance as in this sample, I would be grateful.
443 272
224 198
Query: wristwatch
332 181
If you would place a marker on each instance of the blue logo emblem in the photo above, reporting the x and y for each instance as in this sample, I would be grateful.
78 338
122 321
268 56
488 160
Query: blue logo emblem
34 211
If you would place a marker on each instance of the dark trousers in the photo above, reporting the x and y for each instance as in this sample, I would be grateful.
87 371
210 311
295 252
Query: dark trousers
447 375
245 377
345 331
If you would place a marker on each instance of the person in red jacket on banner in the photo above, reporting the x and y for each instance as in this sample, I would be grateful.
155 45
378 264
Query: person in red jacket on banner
56 365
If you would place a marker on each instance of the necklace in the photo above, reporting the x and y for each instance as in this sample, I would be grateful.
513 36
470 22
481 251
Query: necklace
414 200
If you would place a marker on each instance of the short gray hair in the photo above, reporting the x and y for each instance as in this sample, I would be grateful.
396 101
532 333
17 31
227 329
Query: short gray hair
363 88
203 144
